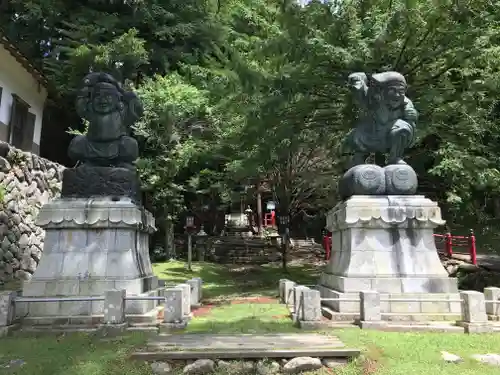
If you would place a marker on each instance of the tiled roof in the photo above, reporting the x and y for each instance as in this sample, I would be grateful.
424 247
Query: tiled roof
21 58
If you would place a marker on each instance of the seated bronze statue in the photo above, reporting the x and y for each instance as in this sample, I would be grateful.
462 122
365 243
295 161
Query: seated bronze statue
110 112
105 155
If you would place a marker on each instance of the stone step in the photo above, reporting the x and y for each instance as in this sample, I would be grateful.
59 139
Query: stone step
243 253
241 260
242 242
230 247
55 329
338 317
210 346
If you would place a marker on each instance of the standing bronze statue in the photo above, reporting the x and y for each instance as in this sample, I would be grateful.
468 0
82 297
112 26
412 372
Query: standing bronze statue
387 124
107 152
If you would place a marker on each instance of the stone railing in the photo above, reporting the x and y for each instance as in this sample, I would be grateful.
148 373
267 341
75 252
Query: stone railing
27 182
305 302
177 301
479 310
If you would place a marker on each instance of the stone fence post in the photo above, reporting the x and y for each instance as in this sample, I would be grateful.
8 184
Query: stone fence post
200 287
474 318
186 299
297 301
370 315
492 308
7 311
114 306
309 309
173 311
114 312
286 291
195 285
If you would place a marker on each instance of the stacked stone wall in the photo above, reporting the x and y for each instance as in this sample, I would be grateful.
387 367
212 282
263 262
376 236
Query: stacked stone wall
27 182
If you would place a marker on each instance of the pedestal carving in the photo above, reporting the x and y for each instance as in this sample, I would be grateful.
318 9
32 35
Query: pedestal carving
92 246
386 244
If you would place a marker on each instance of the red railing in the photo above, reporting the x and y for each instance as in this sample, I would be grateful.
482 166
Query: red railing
448 242
270 219
327 245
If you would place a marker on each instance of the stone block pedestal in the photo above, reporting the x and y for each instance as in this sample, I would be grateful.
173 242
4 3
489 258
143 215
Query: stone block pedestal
386 244
91 246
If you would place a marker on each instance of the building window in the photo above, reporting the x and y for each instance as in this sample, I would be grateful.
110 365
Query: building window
22 124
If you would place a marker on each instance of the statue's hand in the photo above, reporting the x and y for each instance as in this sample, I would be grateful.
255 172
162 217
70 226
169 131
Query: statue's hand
135 108
357 80
347 145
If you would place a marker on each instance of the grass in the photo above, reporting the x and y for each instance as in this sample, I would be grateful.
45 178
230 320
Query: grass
384 353
75 354
227 282
420 353
244 318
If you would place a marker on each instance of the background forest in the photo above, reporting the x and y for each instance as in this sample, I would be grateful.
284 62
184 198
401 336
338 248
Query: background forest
242 91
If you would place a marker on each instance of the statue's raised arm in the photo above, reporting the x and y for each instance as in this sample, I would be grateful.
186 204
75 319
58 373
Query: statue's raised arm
134 108
358 84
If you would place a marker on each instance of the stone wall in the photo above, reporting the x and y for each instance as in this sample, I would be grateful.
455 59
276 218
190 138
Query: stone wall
27 182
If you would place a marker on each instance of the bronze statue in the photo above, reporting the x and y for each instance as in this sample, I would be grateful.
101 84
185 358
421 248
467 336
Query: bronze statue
388 120
110 111
387 125
106 154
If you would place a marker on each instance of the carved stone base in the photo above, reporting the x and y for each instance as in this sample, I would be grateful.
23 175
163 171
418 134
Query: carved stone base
386 244
92 246
91 182
370 179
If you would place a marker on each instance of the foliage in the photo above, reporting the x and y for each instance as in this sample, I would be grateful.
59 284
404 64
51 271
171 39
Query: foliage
172 108
243 92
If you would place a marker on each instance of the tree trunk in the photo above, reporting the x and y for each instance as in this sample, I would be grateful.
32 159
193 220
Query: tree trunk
169 238
259 212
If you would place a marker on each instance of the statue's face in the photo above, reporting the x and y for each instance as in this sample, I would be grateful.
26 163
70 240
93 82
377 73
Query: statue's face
105 100
395 95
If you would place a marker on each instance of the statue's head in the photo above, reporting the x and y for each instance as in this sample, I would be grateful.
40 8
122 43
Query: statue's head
391 86
106 94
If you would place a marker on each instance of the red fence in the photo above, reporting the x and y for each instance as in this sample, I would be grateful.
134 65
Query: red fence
445 242
448 242
270 219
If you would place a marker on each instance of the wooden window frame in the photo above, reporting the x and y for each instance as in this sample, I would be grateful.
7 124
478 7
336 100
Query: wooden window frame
17 125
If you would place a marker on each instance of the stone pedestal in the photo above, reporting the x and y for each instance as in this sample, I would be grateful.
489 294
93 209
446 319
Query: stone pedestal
92 246
386 244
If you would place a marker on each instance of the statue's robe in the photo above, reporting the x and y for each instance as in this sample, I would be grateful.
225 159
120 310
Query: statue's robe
380 126
106 142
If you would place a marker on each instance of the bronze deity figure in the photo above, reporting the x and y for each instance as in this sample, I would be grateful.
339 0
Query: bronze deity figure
110 112
388 120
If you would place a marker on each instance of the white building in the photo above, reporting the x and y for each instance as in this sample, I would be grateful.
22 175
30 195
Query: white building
23 92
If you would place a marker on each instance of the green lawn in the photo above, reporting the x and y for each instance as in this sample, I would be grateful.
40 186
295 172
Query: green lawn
384 353
226 282
75 354
244 318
